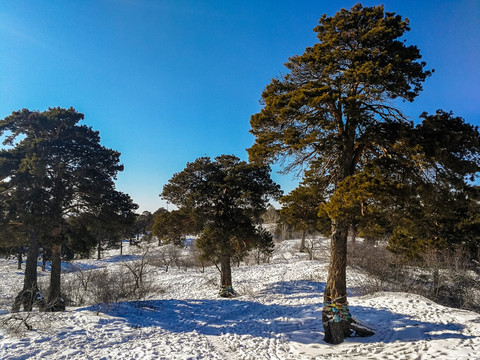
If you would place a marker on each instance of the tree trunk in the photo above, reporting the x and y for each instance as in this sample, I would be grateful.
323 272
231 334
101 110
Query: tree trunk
337 320
54 299
335 315
226 289
302 243
99 250
44 260
30 293
19 258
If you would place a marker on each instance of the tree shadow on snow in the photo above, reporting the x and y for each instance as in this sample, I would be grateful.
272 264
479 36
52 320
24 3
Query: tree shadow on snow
302 289
299 289
391 327
300 323
210 317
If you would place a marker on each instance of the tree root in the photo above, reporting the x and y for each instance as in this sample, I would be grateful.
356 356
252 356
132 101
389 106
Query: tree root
336 332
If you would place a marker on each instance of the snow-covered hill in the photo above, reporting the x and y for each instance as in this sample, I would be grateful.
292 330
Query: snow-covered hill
276 316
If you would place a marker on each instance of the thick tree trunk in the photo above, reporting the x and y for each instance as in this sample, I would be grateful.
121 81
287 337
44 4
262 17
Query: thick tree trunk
335 315
30 293
226 289
54 299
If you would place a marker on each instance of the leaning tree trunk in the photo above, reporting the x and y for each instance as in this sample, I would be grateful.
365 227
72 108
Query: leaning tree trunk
30 293
54 299
226 289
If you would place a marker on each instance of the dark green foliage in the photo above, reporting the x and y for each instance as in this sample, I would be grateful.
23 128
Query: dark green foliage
264 245
444 208
109 220
222 200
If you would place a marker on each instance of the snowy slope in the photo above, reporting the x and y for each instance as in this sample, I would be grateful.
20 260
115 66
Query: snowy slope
276 316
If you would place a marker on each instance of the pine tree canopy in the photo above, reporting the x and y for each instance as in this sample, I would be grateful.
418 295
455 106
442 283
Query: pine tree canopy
336 94
53 168
221 199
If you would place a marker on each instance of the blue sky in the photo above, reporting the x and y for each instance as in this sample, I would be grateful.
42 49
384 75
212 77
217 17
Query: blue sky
168 81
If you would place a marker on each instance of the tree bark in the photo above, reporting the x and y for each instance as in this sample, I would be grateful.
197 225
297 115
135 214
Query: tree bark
226 289
44 260
335 316
30 294
54 299
99 250
20 258
302 242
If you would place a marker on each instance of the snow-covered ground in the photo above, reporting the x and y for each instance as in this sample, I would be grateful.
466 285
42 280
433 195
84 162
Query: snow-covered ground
277 315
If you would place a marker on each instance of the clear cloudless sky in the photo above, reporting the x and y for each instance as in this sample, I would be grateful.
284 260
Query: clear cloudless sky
167 81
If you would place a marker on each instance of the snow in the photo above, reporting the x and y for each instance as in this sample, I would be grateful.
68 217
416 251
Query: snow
277 315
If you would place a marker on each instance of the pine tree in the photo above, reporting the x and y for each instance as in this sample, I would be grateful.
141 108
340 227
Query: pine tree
300 208
51 170
444 195
332 110
223 200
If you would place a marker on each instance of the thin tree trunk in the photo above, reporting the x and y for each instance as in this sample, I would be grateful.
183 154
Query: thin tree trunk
20 258
54 299
226 289
99 250
44 259
302 243
30 294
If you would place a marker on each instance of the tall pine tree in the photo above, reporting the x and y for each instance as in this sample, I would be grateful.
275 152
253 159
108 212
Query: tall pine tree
331 109
223 200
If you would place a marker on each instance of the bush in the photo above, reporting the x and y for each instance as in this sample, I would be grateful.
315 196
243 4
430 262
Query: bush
127 281
444 276
387 271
